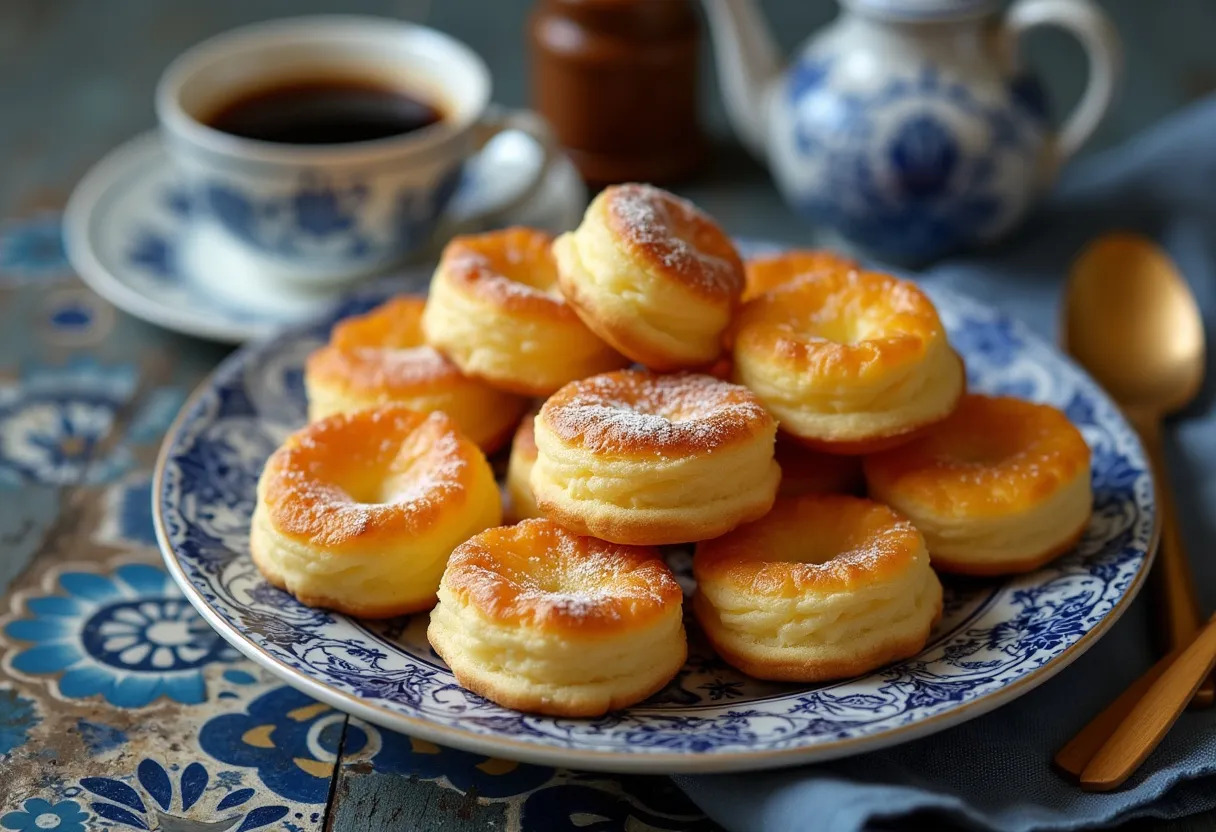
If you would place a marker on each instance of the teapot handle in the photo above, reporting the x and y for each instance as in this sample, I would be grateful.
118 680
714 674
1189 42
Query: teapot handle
1085 21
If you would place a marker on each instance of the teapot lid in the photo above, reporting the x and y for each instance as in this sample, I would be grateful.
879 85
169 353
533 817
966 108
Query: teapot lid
922 10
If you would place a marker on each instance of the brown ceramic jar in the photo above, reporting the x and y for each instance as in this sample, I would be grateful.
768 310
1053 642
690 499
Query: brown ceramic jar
617 79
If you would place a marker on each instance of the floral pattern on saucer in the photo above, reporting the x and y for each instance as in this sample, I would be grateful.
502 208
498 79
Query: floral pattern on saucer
133 235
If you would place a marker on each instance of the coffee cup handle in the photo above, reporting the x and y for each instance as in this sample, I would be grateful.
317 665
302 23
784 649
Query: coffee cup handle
499 120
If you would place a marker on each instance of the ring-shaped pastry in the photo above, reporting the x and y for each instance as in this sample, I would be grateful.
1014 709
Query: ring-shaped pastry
636 457
537 618
763 274
652 275
849 362
1000 487
381 357
494 308
358 512
824 587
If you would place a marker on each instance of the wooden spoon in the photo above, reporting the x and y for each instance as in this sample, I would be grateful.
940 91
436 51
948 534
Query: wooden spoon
1152 715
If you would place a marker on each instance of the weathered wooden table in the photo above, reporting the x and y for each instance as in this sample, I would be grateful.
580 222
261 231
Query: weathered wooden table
119 708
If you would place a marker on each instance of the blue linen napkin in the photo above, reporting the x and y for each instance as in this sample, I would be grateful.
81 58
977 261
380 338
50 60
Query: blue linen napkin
994 772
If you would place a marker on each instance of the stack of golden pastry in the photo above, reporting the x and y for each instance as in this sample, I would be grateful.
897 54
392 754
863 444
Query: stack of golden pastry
615 340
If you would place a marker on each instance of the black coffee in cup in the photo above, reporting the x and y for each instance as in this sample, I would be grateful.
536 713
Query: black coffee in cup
324 111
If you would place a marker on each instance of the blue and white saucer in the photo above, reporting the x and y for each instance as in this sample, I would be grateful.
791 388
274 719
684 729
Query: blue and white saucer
132 237
996 640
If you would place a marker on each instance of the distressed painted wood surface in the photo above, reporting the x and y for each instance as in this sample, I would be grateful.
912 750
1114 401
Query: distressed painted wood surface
118 707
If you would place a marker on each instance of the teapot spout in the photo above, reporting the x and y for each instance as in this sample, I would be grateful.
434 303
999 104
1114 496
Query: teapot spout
747 61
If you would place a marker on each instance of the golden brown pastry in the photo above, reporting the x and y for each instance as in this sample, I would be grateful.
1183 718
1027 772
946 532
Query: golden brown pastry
380 358
635 457
824 587
537 618
763 274
1001 486
358 512
494 309
521 504
848 361
652 275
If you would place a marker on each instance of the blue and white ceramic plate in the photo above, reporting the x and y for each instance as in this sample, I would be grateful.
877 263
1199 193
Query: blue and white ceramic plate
996 640
132 236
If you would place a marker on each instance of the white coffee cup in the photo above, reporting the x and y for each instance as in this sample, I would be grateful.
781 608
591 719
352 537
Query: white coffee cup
315 217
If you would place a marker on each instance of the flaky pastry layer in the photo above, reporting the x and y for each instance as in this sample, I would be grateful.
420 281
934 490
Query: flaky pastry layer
359 513
521 500
644 459
663 295
1001 486
537 618
549 674
494 309
847 359
764 274
824 587
381 358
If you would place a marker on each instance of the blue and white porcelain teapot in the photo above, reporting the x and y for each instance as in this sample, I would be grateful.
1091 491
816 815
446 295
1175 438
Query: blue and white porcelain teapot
906 126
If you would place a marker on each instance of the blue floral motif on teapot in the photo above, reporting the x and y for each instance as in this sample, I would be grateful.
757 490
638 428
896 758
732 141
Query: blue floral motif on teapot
913 167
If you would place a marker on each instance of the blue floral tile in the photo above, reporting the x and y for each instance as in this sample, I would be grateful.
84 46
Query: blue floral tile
38 815
73 317
127 518
18 716
128 637
291 740
32 249
99 738
176 798
52 421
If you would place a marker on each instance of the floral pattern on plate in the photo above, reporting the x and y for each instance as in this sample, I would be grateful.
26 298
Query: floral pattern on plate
995 640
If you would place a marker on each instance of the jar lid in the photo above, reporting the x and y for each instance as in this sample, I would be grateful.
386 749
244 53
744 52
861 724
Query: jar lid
922 10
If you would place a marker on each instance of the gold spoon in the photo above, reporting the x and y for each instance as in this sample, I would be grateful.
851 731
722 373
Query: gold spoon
1131 320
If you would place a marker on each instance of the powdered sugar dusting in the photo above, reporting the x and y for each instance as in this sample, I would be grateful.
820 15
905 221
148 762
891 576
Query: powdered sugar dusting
401 367
400 478
475 267
685 241
432 477
620 411
538 571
